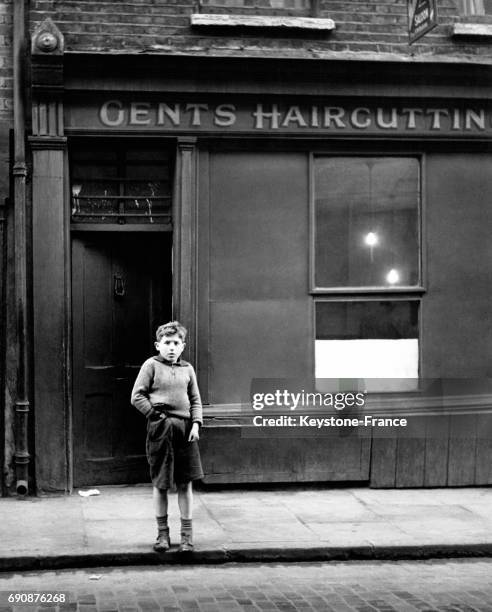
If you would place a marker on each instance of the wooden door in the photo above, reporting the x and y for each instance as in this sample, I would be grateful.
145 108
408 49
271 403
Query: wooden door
121 291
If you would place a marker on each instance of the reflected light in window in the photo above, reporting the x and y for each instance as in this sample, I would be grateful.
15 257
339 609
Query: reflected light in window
371 239
76 189
393 277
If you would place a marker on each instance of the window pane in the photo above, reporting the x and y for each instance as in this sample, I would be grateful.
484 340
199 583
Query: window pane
372 339
366 221
476 7
262 4
117 185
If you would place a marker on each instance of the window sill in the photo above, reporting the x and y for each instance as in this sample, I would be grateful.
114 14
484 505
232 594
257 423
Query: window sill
257 21
472 29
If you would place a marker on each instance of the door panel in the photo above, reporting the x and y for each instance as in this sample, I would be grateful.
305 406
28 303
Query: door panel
121 293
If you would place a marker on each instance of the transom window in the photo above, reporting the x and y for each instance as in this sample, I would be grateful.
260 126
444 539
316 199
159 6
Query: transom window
113 184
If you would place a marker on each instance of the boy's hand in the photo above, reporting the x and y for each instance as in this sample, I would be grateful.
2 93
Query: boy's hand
194 433
155 415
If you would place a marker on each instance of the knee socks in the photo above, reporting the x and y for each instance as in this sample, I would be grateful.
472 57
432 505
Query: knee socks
186 528
162 525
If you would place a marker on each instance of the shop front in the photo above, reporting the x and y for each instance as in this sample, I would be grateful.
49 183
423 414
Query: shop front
300 224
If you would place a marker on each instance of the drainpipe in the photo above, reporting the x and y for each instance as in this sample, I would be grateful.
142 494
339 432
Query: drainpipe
20 246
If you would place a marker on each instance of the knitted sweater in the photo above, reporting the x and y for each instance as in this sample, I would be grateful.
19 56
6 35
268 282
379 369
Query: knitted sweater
171 384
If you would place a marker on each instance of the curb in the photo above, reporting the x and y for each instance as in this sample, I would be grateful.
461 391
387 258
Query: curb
264 555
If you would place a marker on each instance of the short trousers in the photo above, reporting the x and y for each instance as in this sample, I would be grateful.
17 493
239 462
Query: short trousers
172 459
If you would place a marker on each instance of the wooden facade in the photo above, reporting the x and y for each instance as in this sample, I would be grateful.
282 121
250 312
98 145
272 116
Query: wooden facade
226 241
242 189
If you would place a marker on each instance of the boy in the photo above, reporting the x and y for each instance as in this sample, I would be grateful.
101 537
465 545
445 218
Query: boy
166 392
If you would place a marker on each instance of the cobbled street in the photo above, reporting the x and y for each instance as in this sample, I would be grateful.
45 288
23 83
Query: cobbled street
445 585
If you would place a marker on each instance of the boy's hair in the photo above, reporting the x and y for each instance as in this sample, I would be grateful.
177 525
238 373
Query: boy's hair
170 329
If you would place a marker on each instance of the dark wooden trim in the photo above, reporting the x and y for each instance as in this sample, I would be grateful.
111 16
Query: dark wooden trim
203 273
116 227
184 240
240 74
311 228
384 291
367 298
68 324
293 137
423 254
50 143
50 293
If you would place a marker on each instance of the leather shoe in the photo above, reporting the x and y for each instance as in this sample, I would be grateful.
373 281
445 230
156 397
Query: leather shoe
186 543
163 543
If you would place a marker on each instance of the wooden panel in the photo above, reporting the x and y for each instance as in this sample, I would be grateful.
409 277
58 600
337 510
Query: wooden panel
260 312
203 276
184 239
436 451
483 469
462 448
383 462
49 313
98 425
410 453
259 226
97 304
230 456
249 340
456 314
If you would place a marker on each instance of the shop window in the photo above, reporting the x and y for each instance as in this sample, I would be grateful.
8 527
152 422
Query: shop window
366 239
115 184
476 7
370 339
366 222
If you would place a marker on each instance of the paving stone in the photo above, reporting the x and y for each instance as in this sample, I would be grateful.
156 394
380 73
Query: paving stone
432 586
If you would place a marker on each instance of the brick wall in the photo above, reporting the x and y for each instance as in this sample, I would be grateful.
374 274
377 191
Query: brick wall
362 26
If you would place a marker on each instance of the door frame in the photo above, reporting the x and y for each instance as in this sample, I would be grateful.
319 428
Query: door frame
52 304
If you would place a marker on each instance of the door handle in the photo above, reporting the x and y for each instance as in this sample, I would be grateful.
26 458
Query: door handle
119 286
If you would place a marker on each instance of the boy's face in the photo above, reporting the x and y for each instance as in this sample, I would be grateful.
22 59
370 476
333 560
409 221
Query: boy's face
170 347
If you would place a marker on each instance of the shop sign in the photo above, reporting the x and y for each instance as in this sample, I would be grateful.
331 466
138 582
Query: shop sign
422 17
330 118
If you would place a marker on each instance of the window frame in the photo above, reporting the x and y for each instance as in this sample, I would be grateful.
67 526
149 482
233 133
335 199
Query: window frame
364 289
311 11
464 4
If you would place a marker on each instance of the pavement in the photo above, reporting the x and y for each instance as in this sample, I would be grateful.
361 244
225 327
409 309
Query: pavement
117 527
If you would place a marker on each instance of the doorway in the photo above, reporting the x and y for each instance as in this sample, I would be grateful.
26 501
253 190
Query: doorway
121 292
